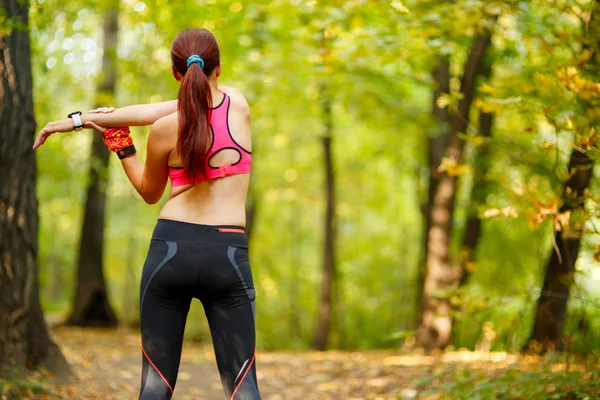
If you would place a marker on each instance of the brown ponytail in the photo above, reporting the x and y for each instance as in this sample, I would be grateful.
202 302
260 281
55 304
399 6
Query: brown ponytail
195 96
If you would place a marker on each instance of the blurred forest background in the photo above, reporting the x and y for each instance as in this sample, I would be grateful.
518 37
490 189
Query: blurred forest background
425 172
359 78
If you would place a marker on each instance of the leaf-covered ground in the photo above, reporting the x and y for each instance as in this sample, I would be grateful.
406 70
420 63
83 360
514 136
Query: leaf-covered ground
106 365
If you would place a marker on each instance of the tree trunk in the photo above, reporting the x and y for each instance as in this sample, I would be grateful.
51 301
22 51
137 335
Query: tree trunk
329 281
560 269
478 197
436 143
479 191
24 339
260 40
251 209
436 323
552 304
91 306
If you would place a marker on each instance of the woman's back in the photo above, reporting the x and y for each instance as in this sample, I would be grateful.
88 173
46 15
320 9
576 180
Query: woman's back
219 198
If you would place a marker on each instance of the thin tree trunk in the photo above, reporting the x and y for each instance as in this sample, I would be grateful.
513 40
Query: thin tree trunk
129 304
478 198
54 289
478 191
559 272
329 281
436 323
24 339
436 143
251 210
253 201
91 306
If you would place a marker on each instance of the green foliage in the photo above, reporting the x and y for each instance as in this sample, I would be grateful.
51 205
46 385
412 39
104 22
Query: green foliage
516 384
377 59
14 387
7 25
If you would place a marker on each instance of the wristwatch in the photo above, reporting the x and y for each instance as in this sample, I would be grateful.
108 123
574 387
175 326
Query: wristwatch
76 117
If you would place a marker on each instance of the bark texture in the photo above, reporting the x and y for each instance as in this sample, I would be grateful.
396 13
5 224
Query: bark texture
435 320
436 144
24 338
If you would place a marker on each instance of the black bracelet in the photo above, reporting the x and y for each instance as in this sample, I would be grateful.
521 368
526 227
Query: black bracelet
126 152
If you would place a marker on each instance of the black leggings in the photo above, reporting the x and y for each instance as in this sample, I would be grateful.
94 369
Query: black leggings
211 264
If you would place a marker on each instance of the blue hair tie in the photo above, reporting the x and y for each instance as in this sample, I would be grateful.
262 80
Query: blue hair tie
195 59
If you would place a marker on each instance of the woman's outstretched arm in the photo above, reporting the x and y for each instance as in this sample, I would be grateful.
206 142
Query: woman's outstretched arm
137 115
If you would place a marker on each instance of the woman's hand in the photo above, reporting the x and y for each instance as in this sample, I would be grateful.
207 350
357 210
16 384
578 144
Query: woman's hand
94 126
64 125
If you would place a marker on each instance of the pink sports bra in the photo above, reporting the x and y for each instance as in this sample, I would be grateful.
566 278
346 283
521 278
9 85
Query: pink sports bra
222 140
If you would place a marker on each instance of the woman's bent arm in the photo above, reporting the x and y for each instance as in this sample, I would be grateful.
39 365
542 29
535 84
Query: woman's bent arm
150 180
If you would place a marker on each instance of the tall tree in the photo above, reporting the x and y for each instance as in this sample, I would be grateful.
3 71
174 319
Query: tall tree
479 190
477 198
436 143
435 321
24 338
559 272
259 35
329 278
552 304
91 306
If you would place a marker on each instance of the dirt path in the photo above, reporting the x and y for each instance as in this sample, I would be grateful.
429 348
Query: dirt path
107 364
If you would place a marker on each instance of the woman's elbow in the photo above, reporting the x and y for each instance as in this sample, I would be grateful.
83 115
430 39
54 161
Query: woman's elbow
151 192
151 198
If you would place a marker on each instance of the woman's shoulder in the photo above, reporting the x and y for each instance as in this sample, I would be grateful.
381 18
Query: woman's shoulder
238 100
166 122
165 127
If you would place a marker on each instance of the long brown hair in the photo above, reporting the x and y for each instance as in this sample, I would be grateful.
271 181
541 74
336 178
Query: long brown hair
195 96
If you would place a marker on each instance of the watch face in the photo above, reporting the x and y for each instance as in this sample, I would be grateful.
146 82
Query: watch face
77 123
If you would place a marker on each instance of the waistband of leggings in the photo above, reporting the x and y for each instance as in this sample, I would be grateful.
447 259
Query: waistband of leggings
186 232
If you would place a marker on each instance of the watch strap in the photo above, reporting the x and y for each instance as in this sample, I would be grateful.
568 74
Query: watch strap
77 122
126 152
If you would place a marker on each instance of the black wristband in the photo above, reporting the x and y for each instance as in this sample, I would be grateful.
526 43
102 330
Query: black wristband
126 152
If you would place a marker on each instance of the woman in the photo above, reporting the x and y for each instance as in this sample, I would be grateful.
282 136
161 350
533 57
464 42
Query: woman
202 142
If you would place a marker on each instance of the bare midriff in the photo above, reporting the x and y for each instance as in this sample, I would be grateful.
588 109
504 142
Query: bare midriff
215 202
